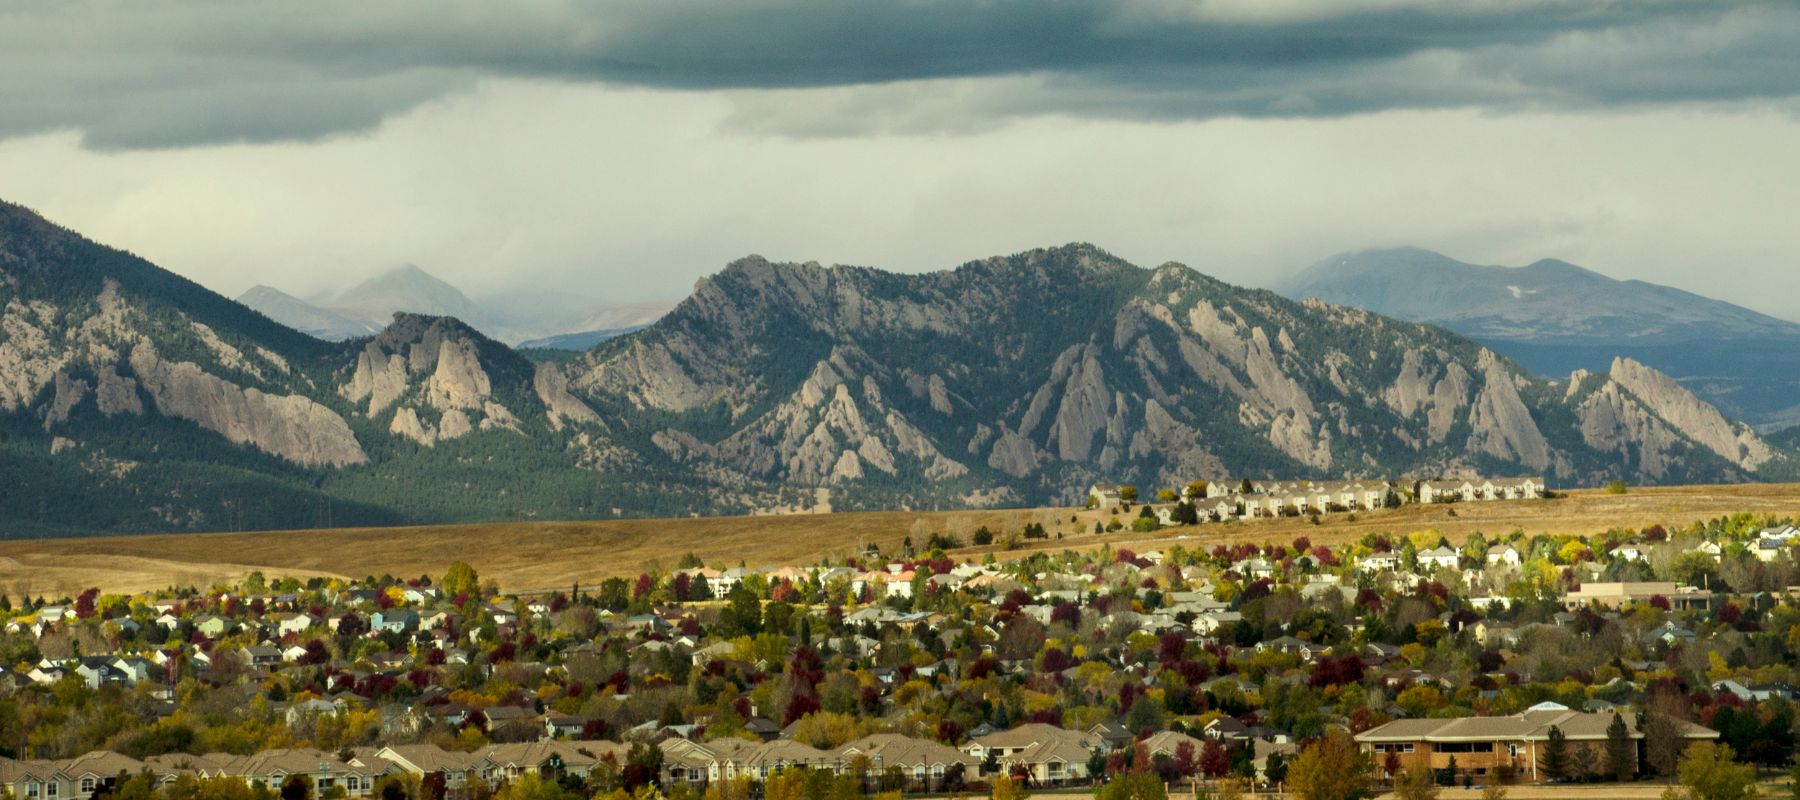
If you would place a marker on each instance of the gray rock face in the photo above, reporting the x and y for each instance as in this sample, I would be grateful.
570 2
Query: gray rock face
117 394
69 392
1614 422
29 359
1501 425
1690 415
426 367
552 387
458 382
290 426
834 428
1440 392
380 378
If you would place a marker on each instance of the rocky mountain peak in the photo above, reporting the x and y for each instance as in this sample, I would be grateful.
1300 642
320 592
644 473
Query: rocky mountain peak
1017 379
1694 418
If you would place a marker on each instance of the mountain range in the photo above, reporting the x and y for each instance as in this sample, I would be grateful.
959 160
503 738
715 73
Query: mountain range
553 320
132 399
1554 317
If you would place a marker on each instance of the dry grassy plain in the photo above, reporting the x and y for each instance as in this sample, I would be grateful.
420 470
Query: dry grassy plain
540 555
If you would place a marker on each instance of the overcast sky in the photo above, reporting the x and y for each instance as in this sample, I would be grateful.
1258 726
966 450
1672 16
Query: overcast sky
624 149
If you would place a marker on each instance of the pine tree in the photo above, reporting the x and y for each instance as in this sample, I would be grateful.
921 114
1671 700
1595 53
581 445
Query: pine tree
1621 751
1556 754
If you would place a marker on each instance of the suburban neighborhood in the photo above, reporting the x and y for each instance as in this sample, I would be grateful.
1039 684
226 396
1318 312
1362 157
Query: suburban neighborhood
1499 660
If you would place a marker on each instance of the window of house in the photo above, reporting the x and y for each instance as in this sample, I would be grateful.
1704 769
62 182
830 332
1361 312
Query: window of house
50 789
87 785
31 789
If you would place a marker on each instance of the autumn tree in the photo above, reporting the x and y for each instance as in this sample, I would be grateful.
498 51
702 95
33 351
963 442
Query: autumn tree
1710 772
532 786
1415 783
1662 732
1005 788
1185 761
1133 786
461 579
1214 761
1332 767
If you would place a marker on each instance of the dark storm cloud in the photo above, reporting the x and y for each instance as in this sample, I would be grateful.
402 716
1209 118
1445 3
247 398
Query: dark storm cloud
194 73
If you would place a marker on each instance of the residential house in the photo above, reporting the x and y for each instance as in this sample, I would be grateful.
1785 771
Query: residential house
1051 756
1103 496
1439 491
1380 562
1504 556
394 620
925 763
1439 557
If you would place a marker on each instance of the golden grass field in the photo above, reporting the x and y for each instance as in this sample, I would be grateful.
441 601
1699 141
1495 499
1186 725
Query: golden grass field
542 555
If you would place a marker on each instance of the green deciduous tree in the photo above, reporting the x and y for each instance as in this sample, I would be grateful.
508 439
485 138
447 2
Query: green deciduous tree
743 615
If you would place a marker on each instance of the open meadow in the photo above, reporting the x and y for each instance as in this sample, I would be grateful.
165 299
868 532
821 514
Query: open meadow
526 556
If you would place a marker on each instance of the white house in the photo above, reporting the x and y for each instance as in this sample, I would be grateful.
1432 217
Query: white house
297 623
1379 562
1439 557
1504 555
1438 491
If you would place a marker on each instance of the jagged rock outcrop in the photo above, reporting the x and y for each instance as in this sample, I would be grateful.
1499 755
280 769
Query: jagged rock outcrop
834 428
291 426
380 378
1441 392
552 387
1612 421
427 367
1501 425
1690 415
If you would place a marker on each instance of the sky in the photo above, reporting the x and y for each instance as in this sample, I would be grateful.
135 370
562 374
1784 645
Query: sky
621 150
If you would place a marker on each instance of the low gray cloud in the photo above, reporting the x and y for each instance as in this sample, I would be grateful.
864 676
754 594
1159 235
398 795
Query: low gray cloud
175 74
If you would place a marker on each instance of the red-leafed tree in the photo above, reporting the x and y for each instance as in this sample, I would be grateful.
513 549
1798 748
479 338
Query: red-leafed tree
1186 760
1214 760
84 605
